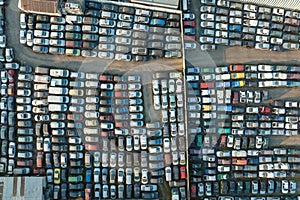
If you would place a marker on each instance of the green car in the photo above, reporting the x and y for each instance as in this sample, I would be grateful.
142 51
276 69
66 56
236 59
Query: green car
223 176
209 70
224 130
75 179
73 36
199 140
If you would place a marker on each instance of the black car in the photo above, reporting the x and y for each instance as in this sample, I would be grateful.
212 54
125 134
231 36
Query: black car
216 188
231 187
224 187
11 133
128 10
64 191
76 171
110 7
137 190
3 133
4 148
76 186
25 146
128 191
75 194
92 5
240 187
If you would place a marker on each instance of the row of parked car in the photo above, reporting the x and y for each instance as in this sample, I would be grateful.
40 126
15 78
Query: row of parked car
249 25
7 102
167 89
114 34
254 187
8 115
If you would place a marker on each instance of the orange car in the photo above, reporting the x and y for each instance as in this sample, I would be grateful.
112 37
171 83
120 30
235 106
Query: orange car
236 161
236 68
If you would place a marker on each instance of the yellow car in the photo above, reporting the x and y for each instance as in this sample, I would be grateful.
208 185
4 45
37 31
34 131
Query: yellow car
237 83
56 176
209 107
240 75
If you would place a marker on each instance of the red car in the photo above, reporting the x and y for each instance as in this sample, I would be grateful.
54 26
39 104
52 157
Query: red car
189 38
236 68
193 191
92 147
235 98
121 124
106 118
39 159
107 133
108 78
77 117
120 94
265 110
189 23
223 141
207 85
182 172
168 159
39 171
24 163
11 75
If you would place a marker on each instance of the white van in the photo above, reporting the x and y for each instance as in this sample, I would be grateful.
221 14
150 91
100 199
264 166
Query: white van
70 19
184 5
57 107
40 87
58 99
59 72
91 131
92 84
23 20
58 90
41 33
42 78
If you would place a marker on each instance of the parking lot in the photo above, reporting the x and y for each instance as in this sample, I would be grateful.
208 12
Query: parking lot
123 134
84 121
236 131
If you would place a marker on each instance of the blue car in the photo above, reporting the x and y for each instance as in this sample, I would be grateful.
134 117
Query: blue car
88 176
235 27
157 22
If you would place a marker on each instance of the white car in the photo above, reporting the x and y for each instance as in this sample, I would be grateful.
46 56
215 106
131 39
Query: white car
156 102
29 38
259 141
182 160
155 87
144 176
168 173
22 38
171 86
230 140
155 149
175 158
167 144
285 186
